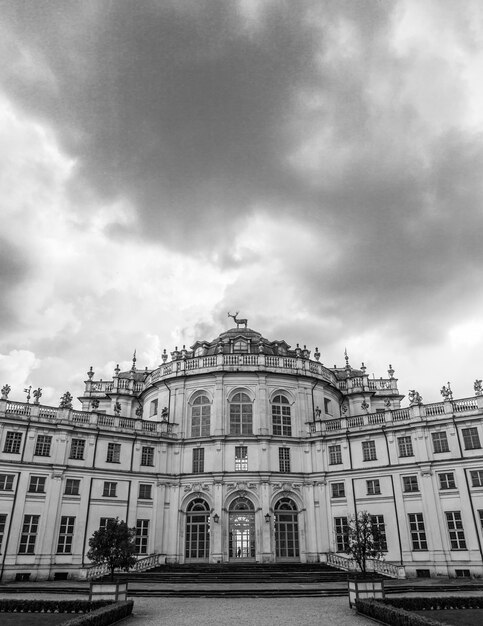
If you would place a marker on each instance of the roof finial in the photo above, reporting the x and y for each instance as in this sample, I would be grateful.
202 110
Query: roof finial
133 368
346 356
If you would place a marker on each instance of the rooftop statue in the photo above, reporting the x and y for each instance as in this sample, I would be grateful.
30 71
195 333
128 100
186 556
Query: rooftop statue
238 321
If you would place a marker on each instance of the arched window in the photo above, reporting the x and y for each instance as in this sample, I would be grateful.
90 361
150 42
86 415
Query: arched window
197 530
286 529
281 418
240 346
241 415
242 529
200 417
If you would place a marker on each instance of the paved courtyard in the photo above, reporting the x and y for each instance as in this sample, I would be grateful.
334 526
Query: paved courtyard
252 611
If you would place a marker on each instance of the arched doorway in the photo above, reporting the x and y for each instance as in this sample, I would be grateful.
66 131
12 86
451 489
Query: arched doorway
197 546
242 529
286 530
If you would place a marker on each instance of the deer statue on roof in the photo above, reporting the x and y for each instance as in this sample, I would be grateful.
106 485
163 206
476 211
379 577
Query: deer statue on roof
237 321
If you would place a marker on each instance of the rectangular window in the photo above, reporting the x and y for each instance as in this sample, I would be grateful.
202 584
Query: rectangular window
418 533
327 406
109 490
153 408
341 534
103 522
379 532
29 534
471 438
281 420
456 532
446 480
198 460
66 535
145 492
3 523
147 456
410 484
72 486
405 446
284 460
338 490
6 482
37 484
42 446
141 539
113 453
12 442
77 449
440 442
369 451
335 455
480 515
241 459
373 487
477 478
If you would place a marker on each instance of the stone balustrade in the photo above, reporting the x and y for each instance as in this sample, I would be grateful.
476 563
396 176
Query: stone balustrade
142 565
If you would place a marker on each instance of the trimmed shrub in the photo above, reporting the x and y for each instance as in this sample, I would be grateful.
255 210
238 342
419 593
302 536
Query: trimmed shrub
103 616
434 604
18 605
388 614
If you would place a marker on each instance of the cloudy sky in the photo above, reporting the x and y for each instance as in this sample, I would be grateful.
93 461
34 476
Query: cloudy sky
317 166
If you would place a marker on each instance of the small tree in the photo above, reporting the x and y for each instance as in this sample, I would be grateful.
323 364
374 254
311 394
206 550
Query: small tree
363 539
113 544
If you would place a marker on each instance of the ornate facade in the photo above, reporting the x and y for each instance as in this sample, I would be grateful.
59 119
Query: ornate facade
242 449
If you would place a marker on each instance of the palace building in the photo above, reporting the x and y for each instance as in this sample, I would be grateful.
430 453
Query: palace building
242 449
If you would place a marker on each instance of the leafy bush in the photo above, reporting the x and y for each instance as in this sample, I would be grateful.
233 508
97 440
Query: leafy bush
388 614
103 616
17 605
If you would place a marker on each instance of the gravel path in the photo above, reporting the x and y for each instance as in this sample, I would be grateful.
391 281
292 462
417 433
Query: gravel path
252 611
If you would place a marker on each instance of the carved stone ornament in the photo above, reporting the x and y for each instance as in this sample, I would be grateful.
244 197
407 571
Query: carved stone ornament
344 408
5 391
478 388
37 394
95 403
364 405
414 397
66 401
447 393
387 403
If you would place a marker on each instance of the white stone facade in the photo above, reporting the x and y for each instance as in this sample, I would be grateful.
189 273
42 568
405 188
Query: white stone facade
241 449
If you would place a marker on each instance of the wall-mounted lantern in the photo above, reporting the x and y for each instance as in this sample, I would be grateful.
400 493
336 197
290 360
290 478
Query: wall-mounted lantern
267 518
216 518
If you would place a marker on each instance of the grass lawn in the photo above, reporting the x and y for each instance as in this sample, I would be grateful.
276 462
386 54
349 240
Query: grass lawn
34 619
458 617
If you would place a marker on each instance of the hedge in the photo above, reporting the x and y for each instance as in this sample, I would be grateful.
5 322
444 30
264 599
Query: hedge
18 605
103 616
388 614
433 604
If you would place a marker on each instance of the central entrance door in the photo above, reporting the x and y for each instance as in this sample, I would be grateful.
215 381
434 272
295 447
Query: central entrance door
242 530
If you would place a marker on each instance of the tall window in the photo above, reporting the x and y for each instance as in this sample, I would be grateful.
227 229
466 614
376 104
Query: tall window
197 544
241 415
12 442
113 453
66 535
335 455
72 486
456 531
153 409
440 442
405 446
373 487
471 438
476 478
109 490
286 529
241 458
198 460
141 539
145 492
42 446
3 523
37 484
410 484
6 482
200 417
147 456
28 537
379 532
327 406
338 490
418 532
341 531
77 449
281 419
446 480
369 451
104 521
284 460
